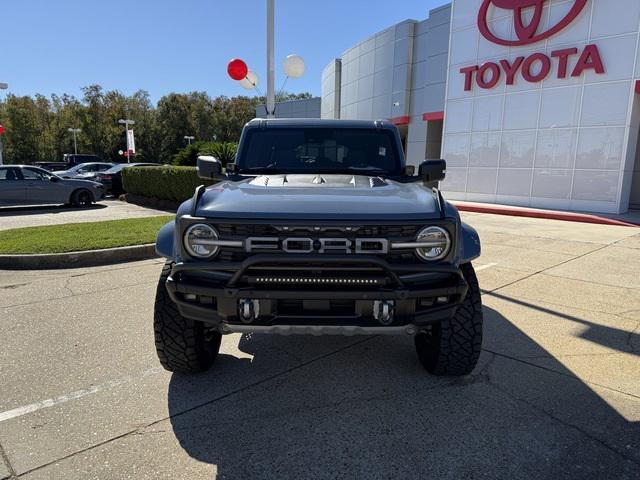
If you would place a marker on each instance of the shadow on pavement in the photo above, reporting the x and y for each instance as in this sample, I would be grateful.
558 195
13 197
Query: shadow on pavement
324 407
608 337
45 209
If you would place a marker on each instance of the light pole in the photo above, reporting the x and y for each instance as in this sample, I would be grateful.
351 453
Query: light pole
126 124
75 132
3 86
189 138
271 59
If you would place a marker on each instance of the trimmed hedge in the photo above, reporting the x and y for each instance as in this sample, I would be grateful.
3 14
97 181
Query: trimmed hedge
176 184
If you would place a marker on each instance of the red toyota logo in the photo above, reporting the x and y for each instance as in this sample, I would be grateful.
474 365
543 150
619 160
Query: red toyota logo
526 33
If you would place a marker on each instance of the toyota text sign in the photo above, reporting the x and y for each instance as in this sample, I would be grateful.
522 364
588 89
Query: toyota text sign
537 66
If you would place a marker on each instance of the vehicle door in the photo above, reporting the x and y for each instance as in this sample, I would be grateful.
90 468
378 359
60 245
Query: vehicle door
12 190
43 187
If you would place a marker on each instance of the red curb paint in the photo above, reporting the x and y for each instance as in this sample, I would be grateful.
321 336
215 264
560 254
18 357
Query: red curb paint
432 116
546 214
399 121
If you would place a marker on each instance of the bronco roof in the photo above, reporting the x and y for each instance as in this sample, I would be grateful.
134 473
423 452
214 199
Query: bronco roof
317 122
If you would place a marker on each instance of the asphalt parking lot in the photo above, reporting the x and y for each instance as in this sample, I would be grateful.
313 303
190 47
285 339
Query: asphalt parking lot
35 216
556 394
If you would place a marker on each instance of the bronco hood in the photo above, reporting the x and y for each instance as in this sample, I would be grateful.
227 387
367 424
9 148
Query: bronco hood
328 197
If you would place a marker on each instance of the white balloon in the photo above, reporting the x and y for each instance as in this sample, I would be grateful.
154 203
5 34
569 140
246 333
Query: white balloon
250 81
294 66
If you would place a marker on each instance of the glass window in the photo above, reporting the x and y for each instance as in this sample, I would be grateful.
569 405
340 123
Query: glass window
320 150
115 169
9 174
33 174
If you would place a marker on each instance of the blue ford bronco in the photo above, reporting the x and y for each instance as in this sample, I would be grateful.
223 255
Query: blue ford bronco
319 228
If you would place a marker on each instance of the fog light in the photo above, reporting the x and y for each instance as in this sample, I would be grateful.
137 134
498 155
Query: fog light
442 300
191 297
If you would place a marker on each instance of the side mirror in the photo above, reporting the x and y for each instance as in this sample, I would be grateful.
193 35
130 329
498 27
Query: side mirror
209 168
432 171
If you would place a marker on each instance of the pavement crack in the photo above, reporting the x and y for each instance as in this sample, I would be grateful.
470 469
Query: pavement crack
7 463
11 287
564 262
73 295
568 375
630 338
567 424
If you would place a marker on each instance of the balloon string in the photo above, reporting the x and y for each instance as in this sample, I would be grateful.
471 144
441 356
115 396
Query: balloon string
255 86
282 88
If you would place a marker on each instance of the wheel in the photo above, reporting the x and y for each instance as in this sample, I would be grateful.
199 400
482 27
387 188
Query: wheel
452 347
82 198
182 345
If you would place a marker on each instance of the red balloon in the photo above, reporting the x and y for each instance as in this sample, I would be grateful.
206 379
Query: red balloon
237 69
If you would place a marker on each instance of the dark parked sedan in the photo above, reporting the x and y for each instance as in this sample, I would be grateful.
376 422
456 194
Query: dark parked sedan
27 185
112 178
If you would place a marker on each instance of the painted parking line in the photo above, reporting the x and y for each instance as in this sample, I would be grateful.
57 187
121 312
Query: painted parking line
52 402
485 267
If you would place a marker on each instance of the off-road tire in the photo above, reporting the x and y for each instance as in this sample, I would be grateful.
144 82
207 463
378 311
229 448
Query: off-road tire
452 347
183 345
82 198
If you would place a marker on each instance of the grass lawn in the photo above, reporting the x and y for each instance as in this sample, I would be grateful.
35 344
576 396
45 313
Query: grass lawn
75 237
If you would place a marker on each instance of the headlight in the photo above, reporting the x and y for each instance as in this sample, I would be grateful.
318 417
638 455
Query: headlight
198 241
436 243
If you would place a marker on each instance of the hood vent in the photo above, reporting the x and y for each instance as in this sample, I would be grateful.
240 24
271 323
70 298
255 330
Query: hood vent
318 181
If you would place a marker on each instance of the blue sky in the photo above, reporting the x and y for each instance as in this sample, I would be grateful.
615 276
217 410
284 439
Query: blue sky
58 46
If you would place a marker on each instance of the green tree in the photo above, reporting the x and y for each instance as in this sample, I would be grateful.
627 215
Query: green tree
37 127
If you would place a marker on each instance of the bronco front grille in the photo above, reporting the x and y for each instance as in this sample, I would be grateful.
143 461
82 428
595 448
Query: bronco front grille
392 232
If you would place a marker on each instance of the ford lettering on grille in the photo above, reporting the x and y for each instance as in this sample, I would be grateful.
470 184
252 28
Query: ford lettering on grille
361 246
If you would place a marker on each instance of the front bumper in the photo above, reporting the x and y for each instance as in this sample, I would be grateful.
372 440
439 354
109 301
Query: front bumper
421 294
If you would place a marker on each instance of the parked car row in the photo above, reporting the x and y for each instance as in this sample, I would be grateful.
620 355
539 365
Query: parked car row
80 185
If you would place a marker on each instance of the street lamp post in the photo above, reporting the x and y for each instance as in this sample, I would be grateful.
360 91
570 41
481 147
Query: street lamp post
3 86
189 138
126 124
75 132
271 60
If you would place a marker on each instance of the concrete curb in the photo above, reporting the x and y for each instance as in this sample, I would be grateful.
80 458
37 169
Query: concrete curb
537 213
90 258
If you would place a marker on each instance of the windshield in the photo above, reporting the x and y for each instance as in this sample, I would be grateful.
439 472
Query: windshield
319 150
115 169
76 167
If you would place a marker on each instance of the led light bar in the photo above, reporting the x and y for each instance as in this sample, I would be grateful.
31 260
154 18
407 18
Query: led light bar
320 281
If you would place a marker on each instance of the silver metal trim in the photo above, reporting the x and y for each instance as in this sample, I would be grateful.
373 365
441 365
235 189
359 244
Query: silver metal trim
317 330
409 245
220 243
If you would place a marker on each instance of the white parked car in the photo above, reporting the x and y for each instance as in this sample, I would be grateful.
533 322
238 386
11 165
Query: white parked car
84 171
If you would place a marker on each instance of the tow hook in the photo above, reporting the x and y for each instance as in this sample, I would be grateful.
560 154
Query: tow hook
248 310
383 311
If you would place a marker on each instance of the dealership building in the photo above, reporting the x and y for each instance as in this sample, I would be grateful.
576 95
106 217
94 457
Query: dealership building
531 102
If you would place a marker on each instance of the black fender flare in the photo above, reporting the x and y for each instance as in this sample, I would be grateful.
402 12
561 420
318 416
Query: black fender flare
165 241
470 243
